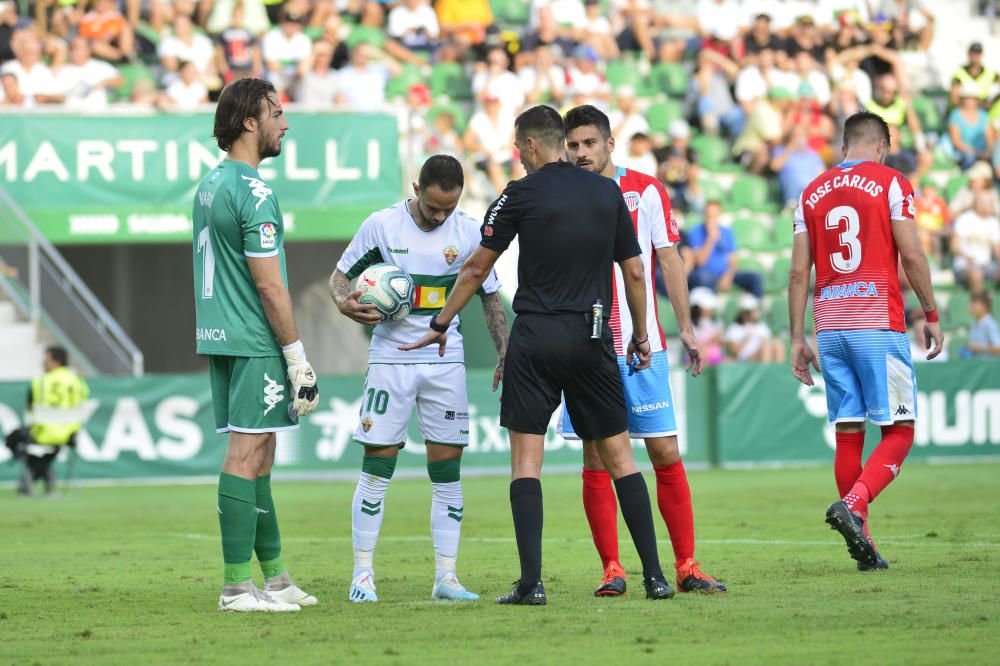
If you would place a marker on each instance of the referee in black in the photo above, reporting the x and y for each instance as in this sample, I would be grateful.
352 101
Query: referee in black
573 226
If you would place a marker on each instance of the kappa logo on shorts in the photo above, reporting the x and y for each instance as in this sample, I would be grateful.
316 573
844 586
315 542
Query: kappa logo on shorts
631 200
272 393
902 410
366 424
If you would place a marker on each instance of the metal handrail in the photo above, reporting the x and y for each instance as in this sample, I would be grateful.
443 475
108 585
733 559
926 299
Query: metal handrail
75 288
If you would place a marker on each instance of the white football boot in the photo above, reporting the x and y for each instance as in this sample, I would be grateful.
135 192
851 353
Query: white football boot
255 601
449 589
293 594
363 587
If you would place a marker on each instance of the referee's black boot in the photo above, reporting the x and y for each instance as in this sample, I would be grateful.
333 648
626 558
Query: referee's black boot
533 597
658 588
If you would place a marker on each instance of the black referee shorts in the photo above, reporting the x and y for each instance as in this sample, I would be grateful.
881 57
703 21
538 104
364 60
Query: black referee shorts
552 355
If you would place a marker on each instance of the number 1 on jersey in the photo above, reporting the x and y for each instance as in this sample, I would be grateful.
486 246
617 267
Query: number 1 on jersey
208 264
845 261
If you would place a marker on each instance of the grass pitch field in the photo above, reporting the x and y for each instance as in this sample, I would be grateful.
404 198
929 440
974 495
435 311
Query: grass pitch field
130 575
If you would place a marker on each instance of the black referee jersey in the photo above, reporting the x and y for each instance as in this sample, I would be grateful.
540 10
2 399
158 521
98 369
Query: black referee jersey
572 226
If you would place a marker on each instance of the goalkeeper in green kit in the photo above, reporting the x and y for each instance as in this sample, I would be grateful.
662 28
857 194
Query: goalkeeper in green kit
261 380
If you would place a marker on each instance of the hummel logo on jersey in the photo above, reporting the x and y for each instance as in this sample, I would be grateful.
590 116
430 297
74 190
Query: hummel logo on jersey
258 188
272 393
894 469
902 410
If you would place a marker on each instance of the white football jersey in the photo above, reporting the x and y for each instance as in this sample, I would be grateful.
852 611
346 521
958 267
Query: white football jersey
432 259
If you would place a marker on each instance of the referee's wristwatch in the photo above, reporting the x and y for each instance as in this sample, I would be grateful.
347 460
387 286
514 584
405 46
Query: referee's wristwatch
435 326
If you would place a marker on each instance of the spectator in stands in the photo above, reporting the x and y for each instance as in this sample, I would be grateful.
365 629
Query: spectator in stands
442 137
762 131
847 76
112 37
335 33
806 112
543 81
796 163
912 22
713 261
711 89
362 83
980 181
759 75
8 24
761 37
597 32
970 136
750 339
284 48
639 155
464 21
903 160
974 74
627 120
414 24
984 334
975 245
707 327
720 22
915 321
894 107
568 16
237 50
318 81
494 79
490 140
27 80
933 218
84 81
678 169
810 78
805 38
223 16
185 93
586 83
186 45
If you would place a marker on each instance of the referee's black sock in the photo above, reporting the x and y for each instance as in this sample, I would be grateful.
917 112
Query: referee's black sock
634 500
526 506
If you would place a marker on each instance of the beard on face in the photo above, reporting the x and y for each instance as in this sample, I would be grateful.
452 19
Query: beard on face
268 147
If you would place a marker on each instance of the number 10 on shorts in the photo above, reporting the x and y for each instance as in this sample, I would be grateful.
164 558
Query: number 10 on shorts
376 400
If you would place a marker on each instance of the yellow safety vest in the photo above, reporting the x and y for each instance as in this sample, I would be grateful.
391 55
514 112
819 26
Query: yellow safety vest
984 82
55 397
894 114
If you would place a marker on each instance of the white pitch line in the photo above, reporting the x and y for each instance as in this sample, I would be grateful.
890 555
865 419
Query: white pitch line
894 541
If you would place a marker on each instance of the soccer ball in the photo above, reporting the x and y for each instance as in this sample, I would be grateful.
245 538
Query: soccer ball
389 288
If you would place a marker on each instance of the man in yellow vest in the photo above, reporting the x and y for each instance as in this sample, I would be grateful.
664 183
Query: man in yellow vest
55 402
974 75
896 110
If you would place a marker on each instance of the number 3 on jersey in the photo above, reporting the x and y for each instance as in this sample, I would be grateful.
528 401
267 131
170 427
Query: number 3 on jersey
848 259
208 265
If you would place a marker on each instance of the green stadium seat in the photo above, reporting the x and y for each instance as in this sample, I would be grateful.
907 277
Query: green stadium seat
778 277
777 314
784 236
712 151
661 114
956 344
361 34
400 84
456 111
517 12
712 190
751 234
448 78
955 183
958 310
667 319
623 72
752 264
132 73
750 192
670 78
996 308
930 117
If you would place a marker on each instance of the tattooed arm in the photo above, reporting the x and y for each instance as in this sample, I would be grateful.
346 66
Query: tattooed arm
347 301
496 324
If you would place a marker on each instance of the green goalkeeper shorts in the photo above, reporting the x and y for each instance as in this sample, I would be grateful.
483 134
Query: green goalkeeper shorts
251 394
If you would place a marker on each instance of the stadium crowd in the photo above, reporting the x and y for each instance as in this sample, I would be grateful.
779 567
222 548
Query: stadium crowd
734 105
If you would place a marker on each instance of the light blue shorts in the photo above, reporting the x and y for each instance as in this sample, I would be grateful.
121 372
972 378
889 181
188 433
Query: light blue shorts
647 397
868 374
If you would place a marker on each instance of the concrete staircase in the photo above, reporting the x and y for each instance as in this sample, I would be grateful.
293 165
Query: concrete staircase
20 354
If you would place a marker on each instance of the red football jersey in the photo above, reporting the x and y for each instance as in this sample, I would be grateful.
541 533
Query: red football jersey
847 212
655 227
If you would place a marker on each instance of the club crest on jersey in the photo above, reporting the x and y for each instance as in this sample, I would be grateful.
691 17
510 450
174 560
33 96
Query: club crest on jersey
366 424
674 231
268 236
631 200
450 254
910 208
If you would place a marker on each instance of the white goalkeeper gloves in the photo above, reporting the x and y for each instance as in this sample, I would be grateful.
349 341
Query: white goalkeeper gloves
305 393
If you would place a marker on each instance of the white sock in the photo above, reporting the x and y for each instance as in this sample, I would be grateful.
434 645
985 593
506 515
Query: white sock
367 510
446 525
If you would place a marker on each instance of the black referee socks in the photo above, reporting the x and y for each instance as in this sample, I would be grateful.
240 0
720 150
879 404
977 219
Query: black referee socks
634 500
526 507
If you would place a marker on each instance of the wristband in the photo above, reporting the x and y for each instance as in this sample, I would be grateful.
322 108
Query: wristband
640 342
932 316
435 326
294 353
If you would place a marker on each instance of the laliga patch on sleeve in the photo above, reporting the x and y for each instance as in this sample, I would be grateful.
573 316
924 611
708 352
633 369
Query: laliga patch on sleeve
268 236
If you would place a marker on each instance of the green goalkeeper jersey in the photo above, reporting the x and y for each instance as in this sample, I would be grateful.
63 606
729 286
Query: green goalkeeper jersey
236 215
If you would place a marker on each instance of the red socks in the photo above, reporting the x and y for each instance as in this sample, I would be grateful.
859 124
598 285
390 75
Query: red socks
847 460
673 495
881 469
601 508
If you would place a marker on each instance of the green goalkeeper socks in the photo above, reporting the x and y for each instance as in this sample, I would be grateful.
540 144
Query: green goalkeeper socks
268 539
238 524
